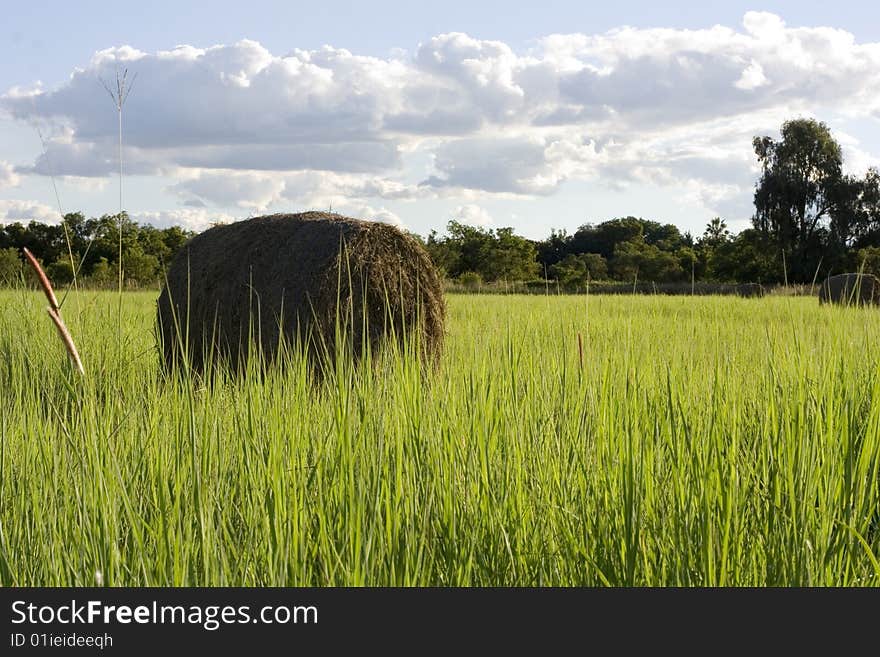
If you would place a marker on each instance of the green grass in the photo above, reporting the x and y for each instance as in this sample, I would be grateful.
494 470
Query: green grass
705 441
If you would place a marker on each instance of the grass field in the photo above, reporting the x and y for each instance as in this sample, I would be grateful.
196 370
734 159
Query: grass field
702 441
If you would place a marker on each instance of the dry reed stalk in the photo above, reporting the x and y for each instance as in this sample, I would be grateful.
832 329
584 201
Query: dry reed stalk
44 280
581 350
54 311
64 334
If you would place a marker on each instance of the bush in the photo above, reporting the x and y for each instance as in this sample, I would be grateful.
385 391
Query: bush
470 280
60 272
103 274
10 266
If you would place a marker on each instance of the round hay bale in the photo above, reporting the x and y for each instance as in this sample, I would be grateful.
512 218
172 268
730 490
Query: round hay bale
309 277
850 289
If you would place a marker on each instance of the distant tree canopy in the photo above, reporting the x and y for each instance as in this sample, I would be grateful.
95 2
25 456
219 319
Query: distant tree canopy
494 255
624 249
811 220
94 245
806 208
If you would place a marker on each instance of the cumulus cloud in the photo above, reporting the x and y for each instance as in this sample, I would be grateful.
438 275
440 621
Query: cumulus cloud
261 190
495 165
247 128
8 177
472 214
25 211
368 212
248 190
196 219
752 77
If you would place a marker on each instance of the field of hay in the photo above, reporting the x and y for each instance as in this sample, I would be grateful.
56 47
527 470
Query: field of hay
699 441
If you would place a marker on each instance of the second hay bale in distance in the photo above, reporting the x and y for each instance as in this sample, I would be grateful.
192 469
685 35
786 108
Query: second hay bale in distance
850 289
296 275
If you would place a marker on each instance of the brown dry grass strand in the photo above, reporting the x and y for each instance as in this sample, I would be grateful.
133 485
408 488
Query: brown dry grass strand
44 280
64 334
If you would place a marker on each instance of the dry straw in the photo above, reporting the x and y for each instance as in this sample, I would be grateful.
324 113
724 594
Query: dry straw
296 277
54 311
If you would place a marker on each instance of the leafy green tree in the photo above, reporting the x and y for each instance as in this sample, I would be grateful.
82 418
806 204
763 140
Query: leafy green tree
604 237
716 233
554 248
444 253
102 273
577 270
687 261
470 280
139 267
10 266
747 258
494 255
75 228
855 217
867 260
800 188
60 272
511 258
638 259
474 247
713 238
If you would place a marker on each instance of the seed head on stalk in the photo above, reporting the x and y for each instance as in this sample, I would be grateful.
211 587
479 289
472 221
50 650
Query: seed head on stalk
54 311
119 94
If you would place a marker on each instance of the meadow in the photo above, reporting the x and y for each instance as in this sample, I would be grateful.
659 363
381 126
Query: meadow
687 441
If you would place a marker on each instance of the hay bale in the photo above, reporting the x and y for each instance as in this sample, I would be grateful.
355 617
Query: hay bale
750 290
298 275
850 289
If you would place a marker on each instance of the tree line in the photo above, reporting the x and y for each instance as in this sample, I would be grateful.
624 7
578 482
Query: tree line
811 220
91 248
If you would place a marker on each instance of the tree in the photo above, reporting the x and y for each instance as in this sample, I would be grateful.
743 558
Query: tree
60 272
102 274
554 248
577 270
494 255
800 187
444 254
867 260
474 246
637 258
10 266
604 237
747 258
716 233
471 280
713 238
512 258
139 267
855 218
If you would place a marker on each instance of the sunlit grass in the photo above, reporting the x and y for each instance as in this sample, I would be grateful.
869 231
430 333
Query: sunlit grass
705 441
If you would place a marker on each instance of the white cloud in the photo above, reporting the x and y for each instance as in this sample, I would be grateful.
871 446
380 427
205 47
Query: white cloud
261 190
472 215
244 128
245 189
752 77
8 177
381 214
25 211
196 219
856 160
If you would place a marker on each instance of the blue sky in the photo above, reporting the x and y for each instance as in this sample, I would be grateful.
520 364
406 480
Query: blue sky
417 115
